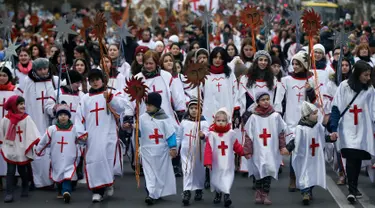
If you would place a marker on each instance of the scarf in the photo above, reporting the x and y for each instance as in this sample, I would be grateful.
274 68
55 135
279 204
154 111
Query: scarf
152 74
217 70
96 91
159 114
220 129
64 126
34 76
24 69
14 119
365 58
306 122
7 87
321 64
303 74
263 112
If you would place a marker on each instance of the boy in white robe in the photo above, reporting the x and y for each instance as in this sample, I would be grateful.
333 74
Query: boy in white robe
93 117
189 136
61 138
219 156
308 155
266 131
37 88
18 135
157 144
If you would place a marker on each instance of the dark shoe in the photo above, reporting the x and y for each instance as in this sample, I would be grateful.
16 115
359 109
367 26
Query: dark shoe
207 184
8 198
186 198
66 196
32 187
227 200
280 170
217 198
358 195
198 195
306 199
149 200
292 184
351 198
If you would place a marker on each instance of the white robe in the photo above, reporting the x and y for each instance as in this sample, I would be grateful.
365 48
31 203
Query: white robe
355 127
259 86
240 133
219 91
308 157
36 95
64 152
191 155
154 150
223 168
92 118
264 132
72 100
117 82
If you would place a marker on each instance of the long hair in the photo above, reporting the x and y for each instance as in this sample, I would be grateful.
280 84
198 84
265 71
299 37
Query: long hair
224 57
174 70
235 49
347 75
254 73
85 73
354 82
42 52
245 42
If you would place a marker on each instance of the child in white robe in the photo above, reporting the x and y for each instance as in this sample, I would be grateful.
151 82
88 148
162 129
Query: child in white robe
308 155
266 132
61 138
18 135
157 145
219 156
190 138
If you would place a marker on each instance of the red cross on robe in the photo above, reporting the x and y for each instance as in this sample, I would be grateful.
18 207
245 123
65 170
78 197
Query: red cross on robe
195 3
71 108
218 86
156 136
96 110
2 106
62 143
355 111
222 147
154 89
299 95
42 98
19 132
264 136
190 136
313 145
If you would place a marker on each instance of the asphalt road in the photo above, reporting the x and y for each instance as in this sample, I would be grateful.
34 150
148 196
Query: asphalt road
128 195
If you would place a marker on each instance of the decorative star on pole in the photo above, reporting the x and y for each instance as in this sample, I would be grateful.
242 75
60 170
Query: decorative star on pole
6 25
63 29
108 17
207 16
154 20
123 32
10 51
341 39
295 17
267 22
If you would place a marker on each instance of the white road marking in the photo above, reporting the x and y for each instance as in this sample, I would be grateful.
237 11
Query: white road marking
337 194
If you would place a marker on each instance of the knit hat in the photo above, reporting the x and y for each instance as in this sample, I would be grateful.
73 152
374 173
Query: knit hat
74 77
159 43
6 70
260 94
40 63
154 99
307 108
319 47
262 53
300 56
194 101
96 73
12 102
141 49
276 60
63 108
224 110
173 39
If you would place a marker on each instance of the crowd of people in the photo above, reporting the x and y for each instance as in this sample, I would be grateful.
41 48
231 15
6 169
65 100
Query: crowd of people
65 120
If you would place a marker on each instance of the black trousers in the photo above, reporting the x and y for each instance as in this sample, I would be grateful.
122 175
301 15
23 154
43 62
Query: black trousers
263 184
11 177
353 168
100 191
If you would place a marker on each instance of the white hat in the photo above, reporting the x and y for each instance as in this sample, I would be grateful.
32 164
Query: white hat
301 57
224 110
173 39
159 43
307 108
319 47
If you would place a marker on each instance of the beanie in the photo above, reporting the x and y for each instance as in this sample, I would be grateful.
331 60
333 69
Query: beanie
141 49
173 39
63 108
263 53
154 99
307 108
194 101
260 94
159 43
319 47
300 56
74 77
40 63
276 60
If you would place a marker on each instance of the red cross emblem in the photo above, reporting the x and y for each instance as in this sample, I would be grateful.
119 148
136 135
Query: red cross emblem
156 136
62 143
223 147
96 110
42 98
355 111
313 145
264 136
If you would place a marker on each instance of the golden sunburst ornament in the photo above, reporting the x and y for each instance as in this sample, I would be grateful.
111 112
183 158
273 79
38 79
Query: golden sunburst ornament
196 74
311 22
136 89
252 17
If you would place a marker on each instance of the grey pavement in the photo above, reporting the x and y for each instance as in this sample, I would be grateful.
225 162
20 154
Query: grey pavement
128 195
